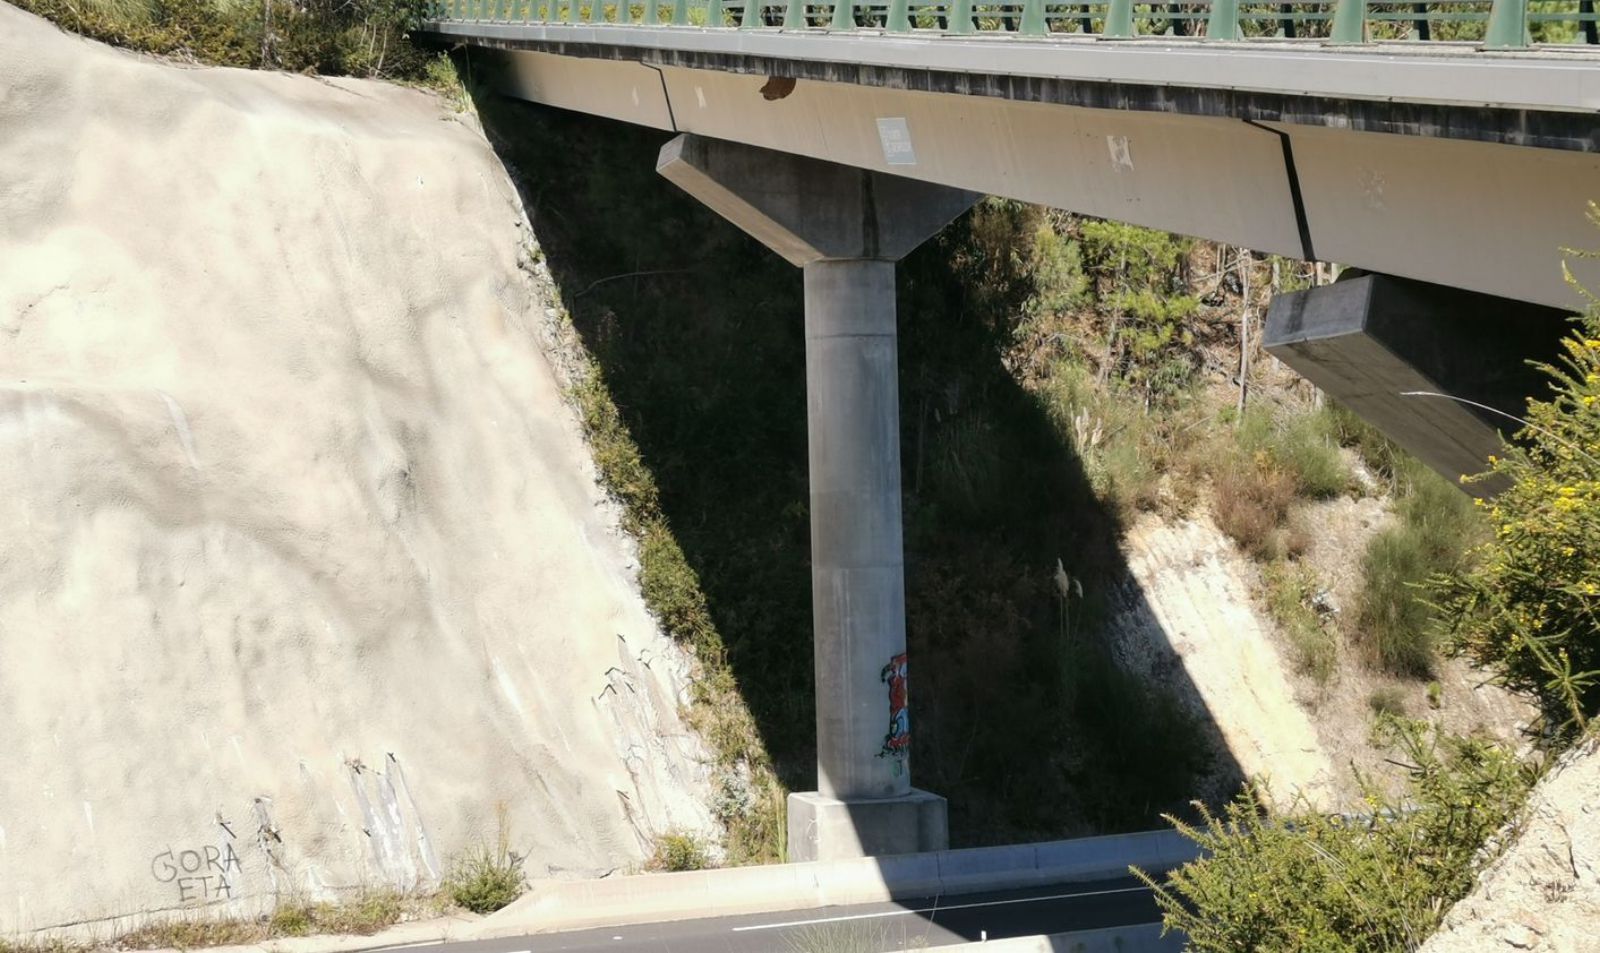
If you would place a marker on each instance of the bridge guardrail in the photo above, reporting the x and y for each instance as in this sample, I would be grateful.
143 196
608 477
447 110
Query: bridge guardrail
1480 24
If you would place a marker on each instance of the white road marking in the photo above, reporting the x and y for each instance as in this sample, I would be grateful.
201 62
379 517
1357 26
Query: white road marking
938 908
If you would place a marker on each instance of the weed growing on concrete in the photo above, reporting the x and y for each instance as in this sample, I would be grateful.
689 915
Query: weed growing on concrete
184 933
368 912
486 877
677 851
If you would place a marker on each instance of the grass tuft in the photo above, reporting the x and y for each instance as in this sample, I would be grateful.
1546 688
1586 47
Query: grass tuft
1290 591
1393 619
486 877
1387 701
1250 503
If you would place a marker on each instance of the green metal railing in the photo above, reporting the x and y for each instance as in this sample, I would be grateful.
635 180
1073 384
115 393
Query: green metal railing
1489 24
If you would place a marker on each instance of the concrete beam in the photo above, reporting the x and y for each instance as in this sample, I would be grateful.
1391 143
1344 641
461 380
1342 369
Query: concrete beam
1370 340
1492 217
808 210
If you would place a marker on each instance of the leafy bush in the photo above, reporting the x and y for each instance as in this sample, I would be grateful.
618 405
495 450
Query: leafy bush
1142 284
1301 445
678 850
1313 883
1394 621
1530 607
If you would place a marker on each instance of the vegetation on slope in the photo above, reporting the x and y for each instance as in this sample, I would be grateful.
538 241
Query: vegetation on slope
1525 609
1529 608
1315 883
330 37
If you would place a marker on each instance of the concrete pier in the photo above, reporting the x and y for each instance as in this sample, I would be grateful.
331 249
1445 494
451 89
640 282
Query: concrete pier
846 228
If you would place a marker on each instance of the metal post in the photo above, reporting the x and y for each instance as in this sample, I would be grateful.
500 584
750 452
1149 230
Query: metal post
1508 25
961 17
1119 19
1350 21
844 15
1033 20
794 18
898 19
1223 24
1420 24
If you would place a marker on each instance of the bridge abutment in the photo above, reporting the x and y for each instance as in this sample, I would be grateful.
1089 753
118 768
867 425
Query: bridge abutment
846 228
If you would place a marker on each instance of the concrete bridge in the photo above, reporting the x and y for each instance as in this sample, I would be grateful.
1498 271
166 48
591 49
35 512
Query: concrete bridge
1449 150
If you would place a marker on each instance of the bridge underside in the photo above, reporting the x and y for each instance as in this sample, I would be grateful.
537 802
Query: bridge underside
1440 197
1466 213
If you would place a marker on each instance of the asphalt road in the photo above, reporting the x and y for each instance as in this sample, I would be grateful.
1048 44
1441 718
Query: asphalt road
899 925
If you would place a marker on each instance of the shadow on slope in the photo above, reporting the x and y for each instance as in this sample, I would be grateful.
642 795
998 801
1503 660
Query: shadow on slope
1024 723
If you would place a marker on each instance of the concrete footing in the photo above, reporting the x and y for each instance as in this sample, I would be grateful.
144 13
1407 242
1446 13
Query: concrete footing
827 828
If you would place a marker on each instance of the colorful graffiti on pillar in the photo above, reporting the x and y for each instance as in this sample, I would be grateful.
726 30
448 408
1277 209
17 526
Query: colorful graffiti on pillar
897 743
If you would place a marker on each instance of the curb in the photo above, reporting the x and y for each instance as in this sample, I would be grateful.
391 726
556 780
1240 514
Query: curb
652 898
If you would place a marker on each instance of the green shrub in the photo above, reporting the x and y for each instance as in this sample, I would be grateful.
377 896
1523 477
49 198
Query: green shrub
1394 620
1529 609
678 850
1290 591
1141 283
1307 882
1301 445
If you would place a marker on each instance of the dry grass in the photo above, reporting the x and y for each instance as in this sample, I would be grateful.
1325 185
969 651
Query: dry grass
367 913
1250 503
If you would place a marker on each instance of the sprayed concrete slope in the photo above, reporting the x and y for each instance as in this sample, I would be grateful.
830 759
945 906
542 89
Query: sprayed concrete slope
1195 614
1543 894
303 569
